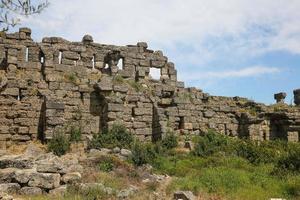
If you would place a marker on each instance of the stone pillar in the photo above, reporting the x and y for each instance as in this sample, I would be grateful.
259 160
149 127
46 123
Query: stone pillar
279 97
297 97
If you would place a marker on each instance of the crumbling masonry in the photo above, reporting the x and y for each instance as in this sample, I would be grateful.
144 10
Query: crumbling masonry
56 84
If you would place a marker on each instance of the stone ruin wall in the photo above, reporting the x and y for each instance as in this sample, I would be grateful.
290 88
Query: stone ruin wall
57 84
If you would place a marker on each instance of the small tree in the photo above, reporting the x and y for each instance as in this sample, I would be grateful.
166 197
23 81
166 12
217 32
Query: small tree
11 10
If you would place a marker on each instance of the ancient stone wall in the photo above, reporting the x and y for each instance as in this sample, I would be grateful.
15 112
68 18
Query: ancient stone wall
56 84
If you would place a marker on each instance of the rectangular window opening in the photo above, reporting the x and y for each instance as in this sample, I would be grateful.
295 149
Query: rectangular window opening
155 73
26 54
93 62
120 64
59 57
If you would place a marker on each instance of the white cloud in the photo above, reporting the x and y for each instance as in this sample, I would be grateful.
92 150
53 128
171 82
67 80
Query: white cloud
169 21
252 71
233 29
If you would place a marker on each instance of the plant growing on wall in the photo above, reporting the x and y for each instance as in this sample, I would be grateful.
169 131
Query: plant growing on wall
12 10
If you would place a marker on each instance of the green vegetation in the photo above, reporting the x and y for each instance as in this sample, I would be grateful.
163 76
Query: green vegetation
72 78
234 168
59 144
135 85
117 136
228 167
106 165
118 79
169 141
75 134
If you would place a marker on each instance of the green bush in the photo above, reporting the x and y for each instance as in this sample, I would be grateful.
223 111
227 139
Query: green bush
59 144
291 161
169 141
143 153
212 143
75 134
117 136
106 165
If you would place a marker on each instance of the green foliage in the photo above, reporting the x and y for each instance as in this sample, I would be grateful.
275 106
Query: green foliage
10 10
291 161
118 79
117 136
106 165
136 85
212 143
72 78
59 144
169 141
75 134
90 193
143 153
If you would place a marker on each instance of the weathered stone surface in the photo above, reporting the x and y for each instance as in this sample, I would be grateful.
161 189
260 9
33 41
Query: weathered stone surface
45 180
297 97
10 188
7 175
279 97
4 196
71 178
87 39
184 195
23 176
60 191
30 191
126 152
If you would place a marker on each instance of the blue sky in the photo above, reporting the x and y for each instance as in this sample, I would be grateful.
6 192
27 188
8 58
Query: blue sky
248 48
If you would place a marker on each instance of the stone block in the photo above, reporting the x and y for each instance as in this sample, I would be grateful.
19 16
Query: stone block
113 107
30 191
45 180
71 178
10 188
142 111
105 84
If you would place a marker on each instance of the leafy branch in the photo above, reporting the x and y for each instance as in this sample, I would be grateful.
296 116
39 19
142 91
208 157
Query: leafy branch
11 9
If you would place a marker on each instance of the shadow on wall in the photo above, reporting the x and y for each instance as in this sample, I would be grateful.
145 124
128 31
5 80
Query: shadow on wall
42 123
278 130
98 107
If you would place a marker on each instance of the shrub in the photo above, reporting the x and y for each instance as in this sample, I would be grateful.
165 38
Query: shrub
291 161
261 152
212 143
117 136
59 144
169 141
106 165
143 153
75 134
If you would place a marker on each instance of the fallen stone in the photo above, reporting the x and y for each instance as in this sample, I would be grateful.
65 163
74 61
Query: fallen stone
30 191
184 195
6 175
126 152
4 196
10 188
45 180
60 191
71 178
23 176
